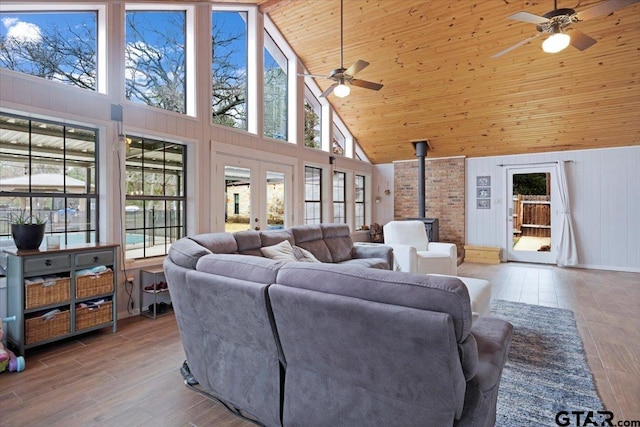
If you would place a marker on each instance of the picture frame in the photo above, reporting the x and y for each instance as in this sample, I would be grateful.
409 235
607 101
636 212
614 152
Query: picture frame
483 192
484 204
483 181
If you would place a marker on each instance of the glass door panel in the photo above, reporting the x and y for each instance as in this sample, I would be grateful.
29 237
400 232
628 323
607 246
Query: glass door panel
256 194
530 215
276 198
237 190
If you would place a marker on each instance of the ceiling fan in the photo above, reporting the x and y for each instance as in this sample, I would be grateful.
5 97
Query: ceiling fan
558 20
343 77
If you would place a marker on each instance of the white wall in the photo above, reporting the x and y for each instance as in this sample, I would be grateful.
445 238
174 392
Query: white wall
38 98
382 180
604 189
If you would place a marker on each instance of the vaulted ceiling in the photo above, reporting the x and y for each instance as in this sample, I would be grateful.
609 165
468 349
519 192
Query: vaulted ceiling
442 84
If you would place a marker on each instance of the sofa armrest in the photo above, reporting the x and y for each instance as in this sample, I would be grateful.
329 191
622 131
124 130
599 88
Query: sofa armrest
451 250
405 257
373 251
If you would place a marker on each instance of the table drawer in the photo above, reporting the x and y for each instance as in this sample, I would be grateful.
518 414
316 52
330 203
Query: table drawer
92 259
44 264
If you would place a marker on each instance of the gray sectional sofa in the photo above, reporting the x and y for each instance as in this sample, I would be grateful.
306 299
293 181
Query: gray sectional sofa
331 343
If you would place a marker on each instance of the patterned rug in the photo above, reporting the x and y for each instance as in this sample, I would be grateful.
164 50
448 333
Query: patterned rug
546 371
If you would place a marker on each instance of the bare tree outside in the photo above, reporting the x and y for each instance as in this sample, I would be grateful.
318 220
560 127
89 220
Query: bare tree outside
62 46
229 69
155 59
64 51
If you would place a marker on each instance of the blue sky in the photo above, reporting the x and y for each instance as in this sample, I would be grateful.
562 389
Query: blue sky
29 26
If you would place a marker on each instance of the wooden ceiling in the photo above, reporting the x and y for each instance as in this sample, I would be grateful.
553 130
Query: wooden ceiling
441 84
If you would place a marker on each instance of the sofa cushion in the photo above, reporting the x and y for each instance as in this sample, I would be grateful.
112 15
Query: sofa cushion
218 243
243 267
310 237
443 294
338 239
380 263
249 242
272 237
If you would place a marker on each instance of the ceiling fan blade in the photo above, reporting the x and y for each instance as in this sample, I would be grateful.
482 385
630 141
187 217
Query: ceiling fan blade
604 9
357 66
580 40
528 17
328 91
365 84
509 49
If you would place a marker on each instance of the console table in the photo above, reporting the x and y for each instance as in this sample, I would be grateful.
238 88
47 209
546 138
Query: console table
53 297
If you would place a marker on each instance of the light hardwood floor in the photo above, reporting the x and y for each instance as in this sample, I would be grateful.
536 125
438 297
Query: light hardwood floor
132 378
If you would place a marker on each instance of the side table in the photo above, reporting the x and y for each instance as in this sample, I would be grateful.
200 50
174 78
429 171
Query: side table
154 291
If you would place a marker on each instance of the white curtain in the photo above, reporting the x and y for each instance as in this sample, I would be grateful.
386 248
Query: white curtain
567 252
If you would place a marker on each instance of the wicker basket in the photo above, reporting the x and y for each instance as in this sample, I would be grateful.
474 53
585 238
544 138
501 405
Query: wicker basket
92 315
43 328
94 284
48 292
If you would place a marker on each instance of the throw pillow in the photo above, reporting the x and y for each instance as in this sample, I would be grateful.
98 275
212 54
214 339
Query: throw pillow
280 252
303 255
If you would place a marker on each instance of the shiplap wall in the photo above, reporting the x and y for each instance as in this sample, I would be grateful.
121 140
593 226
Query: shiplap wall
38 98
604 188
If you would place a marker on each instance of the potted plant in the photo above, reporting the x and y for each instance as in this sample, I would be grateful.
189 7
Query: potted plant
27 230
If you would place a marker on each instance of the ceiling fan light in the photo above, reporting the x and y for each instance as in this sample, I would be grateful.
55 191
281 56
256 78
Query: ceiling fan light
342 90
556 42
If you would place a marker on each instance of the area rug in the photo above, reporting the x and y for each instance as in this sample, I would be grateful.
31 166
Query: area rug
546 371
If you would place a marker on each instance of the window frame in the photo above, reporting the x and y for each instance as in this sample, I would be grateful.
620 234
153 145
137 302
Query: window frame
62 221
249 104
189 53
101 33
316 202
341 191
181 226
315 105
357 202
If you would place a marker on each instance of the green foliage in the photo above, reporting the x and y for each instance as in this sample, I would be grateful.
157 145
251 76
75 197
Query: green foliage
311 121
530 184
22 217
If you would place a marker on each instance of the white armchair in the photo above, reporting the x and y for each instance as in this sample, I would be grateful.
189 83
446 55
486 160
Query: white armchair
414 253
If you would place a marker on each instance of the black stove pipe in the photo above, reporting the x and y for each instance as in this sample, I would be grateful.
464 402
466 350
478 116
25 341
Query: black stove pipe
421 153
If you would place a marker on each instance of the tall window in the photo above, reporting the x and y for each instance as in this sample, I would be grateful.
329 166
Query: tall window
312 195
339 197
155 58
337 142
312 121
229 69
275 90
56 45
155 196
48 170
361 218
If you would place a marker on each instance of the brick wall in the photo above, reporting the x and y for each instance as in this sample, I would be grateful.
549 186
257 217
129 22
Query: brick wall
444 188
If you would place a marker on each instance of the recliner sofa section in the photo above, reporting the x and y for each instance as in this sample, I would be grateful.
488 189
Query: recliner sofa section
315 344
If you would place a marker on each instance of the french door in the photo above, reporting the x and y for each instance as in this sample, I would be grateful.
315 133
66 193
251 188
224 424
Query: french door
532 220
256 195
